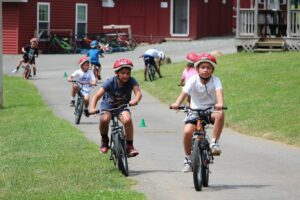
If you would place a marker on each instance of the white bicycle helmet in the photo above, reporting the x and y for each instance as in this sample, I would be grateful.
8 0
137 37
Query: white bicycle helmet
161 55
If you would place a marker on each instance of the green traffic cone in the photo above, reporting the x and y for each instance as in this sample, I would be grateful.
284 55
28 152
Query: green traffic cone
65 75
142 123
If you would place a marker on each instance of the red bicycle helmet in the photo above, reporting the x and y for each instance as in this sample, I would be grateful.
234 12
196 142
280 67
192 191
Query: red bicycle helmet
192 57
33 40
122 63
83 60
206 57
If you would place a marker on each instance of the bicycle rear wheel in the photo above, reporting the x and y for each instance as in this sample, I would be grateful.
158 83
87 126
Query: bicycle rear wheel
121 155
78 110
197 166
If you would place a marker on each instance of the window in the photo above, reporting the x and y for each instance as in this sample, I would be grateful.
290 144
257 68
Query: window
81 19
43 20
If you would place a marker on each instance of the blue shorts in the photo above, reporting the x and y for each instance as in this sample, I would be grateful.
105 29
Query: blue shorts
104 107
149 60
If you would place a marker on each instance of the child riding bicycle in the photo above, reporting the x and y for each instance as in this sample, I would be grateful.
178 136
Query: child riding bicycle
30 52
150 57
117 91
189 69
94 54
87 78
206 91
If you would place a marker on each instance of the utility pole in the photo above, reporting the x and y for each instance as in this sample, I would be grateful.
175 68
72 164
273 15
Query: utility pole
1 64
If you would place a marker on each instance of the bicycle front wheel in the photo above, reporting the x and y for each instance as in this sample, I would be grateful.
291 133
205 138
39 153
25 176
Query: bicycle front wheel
205 168
121 155
197 166
151 72
78 110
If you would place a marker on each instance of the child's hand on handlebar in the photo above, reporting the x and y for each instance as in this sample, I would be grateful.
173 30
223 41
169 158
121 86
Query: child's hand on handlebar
133 102
219 106
174 106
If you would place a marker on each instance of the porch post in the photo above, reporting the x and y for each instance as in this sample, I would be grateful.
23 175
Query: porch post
237 19
1 63
256 18
288 21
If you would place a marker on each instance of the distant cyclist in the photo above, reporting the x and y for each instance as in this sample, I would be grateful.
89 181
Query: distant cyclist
154 57
30 52
115 92
94 54
206 91
189 69
86 77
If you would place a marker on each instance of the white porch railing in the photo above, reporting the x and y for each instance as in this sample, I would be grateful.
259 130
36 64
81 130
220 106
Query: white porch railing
247 22
295 23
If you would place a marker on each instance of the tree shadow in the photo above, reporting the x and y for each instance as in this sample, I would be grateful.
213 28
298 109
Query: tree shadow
233 187
139 172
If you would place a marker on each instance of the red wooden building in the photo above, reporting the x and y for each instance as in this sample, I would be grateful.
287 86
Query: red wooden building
167 19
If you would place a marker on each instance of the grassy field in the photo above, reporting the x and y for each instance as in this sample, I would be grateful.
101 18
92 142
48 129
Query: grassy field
262 92
43 157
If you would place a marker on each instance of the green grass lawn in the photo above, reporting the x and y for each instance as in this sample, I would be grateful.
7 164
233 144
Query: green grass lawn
43 157
262 92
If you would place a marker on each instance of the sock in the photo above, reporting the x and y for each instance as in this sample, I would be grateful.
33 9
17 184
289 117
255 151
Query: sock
213 140
188 157
129 142
73 98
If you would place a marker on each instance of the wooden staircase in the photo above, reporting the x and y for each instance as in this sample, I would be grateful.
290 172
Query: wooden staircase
270 45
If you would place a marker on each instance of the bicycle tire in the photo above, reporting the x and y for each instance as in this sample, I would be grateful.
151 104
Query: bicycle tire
197 166
151 72
121 155
132 44
78 110
26 72
113 148
205 169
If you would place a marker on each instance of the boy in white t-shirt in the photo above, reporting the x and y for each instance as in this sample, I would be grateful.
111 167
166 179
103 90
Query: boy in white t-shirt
205 91
85 77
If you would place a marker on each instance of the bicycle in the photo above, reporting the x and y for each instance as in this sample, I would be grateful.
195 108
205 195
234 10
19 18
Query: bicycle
79 103
202 156
59 44
27 70
118 147
150 70
27 67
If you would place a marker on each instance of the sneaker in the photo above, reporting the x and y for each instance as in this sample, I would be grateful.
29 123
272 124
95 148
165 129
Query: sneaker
104 145
187 166
14 71
72 103
215 148
131 151
86 112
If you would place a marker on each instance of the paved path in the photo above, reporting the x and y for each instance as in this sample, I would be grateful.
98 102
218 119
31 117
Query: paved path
249 168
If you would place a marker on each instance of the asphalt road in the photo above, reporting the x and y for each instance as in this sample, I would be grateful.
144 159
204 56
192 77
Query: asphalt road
249 168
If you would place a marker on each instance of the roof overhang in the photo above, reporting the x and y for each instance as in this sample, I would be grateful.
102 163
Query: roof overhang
15 1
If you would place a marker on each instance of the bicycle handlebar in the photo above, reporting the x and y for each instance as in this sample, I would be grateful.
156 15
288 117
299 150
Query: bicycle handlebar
185 108
80 82
112 109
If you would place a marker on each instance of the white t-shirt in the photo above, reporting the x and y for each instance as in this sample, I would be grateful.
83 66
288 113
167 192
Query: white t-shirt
152 52
202 96
81 76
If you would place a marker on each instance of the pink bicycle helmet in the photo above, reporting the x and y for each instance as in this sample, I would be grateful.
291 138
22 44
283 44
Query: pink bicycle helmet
33 40
206 57
82 61
192 57
122 63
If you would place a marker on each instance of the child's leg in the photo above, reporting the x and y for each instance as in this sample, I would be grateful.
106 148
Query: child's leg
34 69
